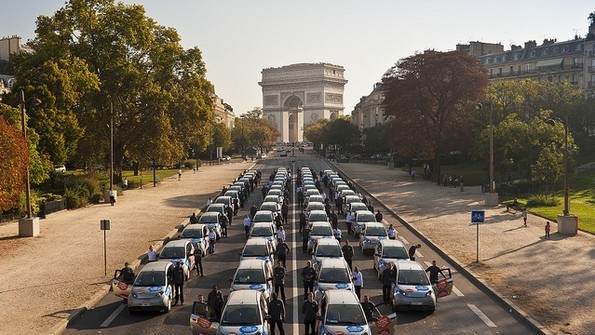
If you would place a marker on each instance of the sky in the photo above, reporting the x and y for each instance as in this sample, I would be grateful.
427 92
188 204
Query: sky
239 38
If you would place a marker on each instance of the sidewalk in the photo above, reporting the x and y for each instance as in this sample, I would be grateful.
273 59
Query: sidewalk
44 278
552 280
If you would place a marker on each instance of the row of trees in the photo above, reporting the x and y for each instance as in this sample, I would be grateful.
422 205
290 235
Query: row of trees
94 60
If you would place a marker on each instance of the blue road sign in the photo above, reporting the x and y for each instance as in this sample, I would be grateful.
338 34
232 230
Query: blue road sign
477 216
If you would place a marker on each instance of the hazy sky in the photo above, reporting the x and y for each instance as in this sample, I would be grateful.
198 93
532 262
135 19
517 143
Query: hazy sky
241 37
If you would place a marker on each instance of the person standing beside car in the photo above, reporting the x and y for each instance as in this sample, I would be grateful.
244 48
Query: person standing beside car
310 310
348 254
279 279
215 301
198 254
388 279
177 278
276 314
127 274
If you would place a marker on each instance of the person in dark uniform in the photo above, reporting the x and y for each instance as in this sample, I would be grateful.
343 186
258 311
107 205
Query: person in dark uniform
305 238
378 216
434 271
368 308
412 251
127 274
223 222
198 254
310 310
215 301
308 276
253 211
279 279
388 279
177 278
229 214
302 219
348 254
276 309
285 211
282 251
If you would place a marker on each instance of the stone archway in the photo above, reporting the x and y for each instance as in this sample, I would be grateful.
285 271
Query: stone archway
333 116
293 105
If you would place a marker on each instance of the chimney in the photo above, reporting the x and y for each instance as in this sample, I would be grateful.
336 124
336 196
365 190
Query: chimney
515 47
530 44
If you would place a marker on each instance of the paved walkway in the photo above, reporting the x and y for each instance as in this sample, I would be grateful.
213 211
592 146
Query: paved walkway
44 278
552 280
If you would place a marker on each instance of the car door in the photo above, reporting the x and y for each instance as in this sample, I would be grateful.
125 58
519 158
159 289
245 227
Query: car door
203 320
377 255
443 287
120 288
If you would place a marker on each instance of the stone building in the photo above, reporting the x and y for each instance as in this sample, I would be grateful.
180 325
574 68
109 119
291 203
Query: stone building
568 61
298 94
368 112
223 113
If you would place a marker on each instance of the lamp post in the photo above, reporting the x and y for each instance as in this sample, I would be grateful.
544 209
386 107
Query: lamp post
492 197
111 164
29 225
567 223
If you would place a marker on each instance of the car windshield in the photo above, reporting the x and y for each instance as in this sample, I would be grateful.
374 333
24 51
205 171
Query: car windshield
220 200
208 219
254 250
215 208
395 252
241 315
321 230
317 217
350 199
172 252
358 207
268 207
261 231
191 233
249 276
339 314
275 192
271 198
412 277
315 206
150 278
333 275
366 217
328 251
263 217
375 231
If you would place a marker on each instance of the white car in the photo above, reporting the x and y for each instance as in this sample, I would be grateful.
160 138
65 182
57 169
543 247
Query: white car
388 251
332 274
179 251
413 289
319 229
371 234
198 234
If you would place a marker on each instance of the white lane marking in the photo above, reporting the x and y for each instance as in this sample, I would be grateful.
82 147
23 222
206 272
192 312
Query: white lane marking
482 316
427 263
403 239
419 253
113 316
295 318
456 291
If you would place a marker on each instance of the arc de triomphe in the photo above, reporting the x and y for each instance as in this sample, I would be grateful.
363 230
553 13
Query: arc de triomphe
298 94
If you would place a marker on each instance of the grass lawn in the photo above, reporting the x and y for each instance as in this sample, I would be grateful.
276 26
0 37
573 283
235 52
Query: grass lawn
147 176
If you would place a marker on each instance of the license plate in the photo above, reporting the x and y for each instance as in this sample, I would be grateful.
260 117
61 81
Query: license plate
417 303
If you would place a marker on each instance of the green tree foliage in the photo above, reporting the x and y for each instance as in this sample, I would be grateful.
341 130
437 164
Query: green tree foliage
377 138
13 150
101 53
426 94
252 131
341 132
314 132
221 136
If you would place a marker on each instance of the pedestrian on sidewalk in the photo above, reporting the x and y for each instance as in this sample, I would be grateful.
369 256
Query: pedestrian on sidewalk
151 254
209 202
112 196
177 278
348 254
412 251
215 301
179 174
358 282
547 230
279 279
276 314
198 254
378 216
524 217
310 310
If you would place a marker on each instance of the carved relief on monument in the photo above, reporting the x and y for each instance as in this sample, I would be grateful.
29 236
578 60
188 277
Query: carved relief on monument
313 98
314 117
272 119
333 98
285 95
271 100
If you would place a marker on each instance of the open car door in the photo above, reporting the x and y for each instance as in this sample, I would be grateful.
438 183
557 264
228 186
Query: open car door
383 324
203 321
443 286
120 288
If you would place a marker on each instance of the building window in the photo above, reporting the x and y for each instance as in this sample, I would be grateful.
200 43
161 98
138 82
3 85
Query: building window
516 56
532 53
511 69
500 71
527 67
491 72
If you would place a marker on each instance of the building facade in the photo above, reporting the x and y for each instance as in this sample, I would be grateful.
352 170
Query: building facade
298 94
223 113
569 61
368 112
8 46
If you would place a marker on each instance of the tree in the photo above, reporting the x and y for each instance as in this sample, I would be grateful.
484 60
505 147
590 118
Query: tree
426 94
252 131
314 132
342 133
376 139
161 100
15 158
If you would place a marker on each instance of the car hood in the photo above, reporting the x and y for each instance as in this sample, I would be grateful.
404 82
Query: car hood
334 286
416 291
149 291
347 330
242 330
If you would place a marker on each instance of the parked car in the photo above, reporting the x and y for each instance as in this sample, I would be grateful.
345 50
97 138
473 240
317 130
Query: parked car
179 251
413 289
60 168
152 289
388 251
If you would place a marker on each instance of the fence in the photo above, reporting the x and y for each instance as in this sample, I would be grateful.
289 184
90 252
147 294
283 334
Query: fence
52 207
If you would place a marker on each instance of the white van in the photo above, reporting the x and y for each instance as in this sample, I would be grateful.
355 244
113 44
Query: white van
151 289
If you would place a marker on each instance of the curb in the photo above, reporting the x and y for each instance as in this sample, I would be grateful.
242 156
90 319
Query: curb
106 288
469 275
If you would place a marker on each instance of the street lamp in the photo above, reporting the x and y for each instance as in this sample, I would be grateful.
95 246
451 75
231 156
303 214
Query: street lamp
29 225
567 223
492 197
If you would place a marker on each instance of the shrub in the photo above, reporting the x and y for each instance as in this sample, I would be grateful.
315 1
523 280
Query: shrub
76 197
542 200
96 198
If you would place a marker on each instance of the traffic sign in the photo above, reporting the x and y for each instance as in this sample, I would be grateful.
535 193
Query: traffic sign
477 216
104 224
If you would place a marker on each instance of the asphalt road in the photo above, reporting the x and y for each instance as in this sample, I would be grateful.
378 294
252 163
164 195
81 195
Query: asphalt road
467 311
